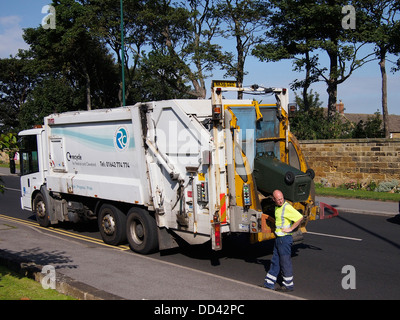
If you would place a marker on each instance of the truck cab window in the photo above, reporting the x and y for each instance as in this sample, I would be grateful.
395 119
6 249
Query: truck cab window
29 155
293 157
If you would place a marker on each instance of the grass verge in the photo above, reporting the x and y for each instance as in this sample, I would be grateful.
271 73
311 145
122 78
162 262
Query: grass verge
13 286
357 194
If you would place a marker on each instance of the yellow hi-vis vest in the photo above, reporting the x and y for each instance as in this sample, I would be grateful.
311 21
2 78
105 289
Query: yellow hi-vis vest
285 216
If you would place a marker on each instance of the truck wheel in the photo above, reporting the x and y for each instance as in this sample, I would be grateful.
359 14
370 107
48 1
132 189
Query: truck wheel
141 230
112 224
40 209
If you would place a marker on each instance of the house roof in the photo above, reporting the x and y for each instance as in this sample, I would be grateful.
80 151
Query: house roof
394 120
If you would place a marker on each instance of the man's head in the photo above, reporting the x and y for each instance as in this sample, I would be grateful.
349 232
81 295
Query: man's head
278 198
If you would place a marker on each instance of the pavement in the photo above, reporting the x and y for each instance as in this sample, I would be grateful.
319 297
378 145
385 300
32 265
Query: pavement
91 270
26 249
362 206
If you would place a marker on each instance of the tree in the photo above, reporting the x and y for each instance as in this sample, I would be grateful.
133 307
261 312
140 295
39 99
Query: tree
383 28
183 34
104 21
159 79
305 27
244 21
52 95
200 50
73 51
8 143
372 128
288 36
313 122
17 79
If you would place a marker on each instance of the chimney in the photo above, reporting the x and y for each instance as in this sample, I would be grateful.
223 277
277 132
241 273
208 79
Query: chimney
340 107
292 108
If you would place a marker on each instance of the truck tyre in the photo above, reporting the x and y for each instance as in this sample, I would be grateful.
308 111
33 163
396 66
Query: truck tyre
40 208
141 230
112 224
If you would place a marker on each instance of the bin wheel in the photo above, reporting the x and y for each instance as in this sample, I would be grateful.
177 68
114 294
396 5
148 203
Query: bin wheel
289 178
311 173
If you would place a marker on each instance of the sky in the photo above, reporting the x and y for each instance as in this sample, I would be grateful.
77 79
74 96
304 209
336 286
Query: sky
361 93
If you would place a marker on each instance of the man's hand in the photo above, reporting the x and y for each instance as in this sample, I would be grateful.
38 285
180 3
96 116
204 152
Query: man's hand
294 226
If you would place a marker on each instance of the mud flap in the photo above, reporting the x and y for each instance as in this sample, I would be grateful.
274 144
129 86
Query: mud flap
166 240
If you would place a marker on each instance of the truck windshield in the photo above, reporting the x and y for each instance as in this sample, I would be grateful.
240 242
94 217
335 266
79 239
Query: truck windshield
267 130
29 155
257 137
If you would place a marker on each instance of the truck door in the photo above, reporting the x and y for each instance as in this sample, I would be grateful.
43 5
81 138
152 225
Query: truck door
30 174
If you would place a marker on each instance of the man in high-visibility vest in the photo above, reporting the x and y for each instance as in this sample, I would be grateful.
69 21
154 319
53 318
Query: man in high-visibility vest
287 219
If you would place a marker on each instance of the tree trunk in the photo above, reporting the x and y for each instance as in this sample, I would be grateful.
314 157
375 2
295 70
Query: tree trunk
332 83
240 64
385 115
199 89
307 82
88 89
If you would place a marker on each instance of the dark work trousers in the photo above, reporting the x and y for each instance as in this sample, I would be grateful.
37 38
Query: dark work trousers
281 261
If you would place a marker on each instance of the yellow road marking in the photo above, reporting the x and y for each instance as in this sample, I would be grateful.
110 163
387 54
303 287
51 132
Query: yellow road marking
64 232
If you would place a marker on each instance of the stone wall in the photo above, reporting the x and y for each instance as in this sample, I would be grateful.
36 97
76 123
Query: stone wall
360 160
4 157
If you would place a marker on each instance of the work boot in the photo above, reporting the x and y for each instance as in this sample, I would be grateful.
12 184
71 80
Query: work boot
266 286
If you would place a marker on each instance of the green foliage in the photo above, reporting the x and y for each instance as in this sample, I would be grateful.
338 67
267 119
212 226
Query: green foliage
50 96
158 79
14 286
359 194
244 21
302 30
9 143
171 48
372 128
313 123
71 51
18 77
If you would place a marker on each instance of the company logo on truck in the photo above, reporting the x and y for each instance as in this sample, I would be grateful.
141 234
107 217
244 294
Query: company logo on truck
121 139
73 156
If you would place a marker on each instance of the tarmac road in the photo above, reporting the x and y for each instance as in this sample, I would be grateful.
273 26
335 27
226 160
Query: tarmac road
369 243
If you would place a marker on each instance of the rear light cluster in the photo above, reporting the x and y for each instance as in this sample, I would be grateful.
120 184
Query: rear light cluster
216 239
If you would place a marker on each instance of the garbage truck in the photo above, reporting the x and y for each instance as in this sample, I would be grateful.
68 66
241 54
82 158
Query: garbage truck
160 173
